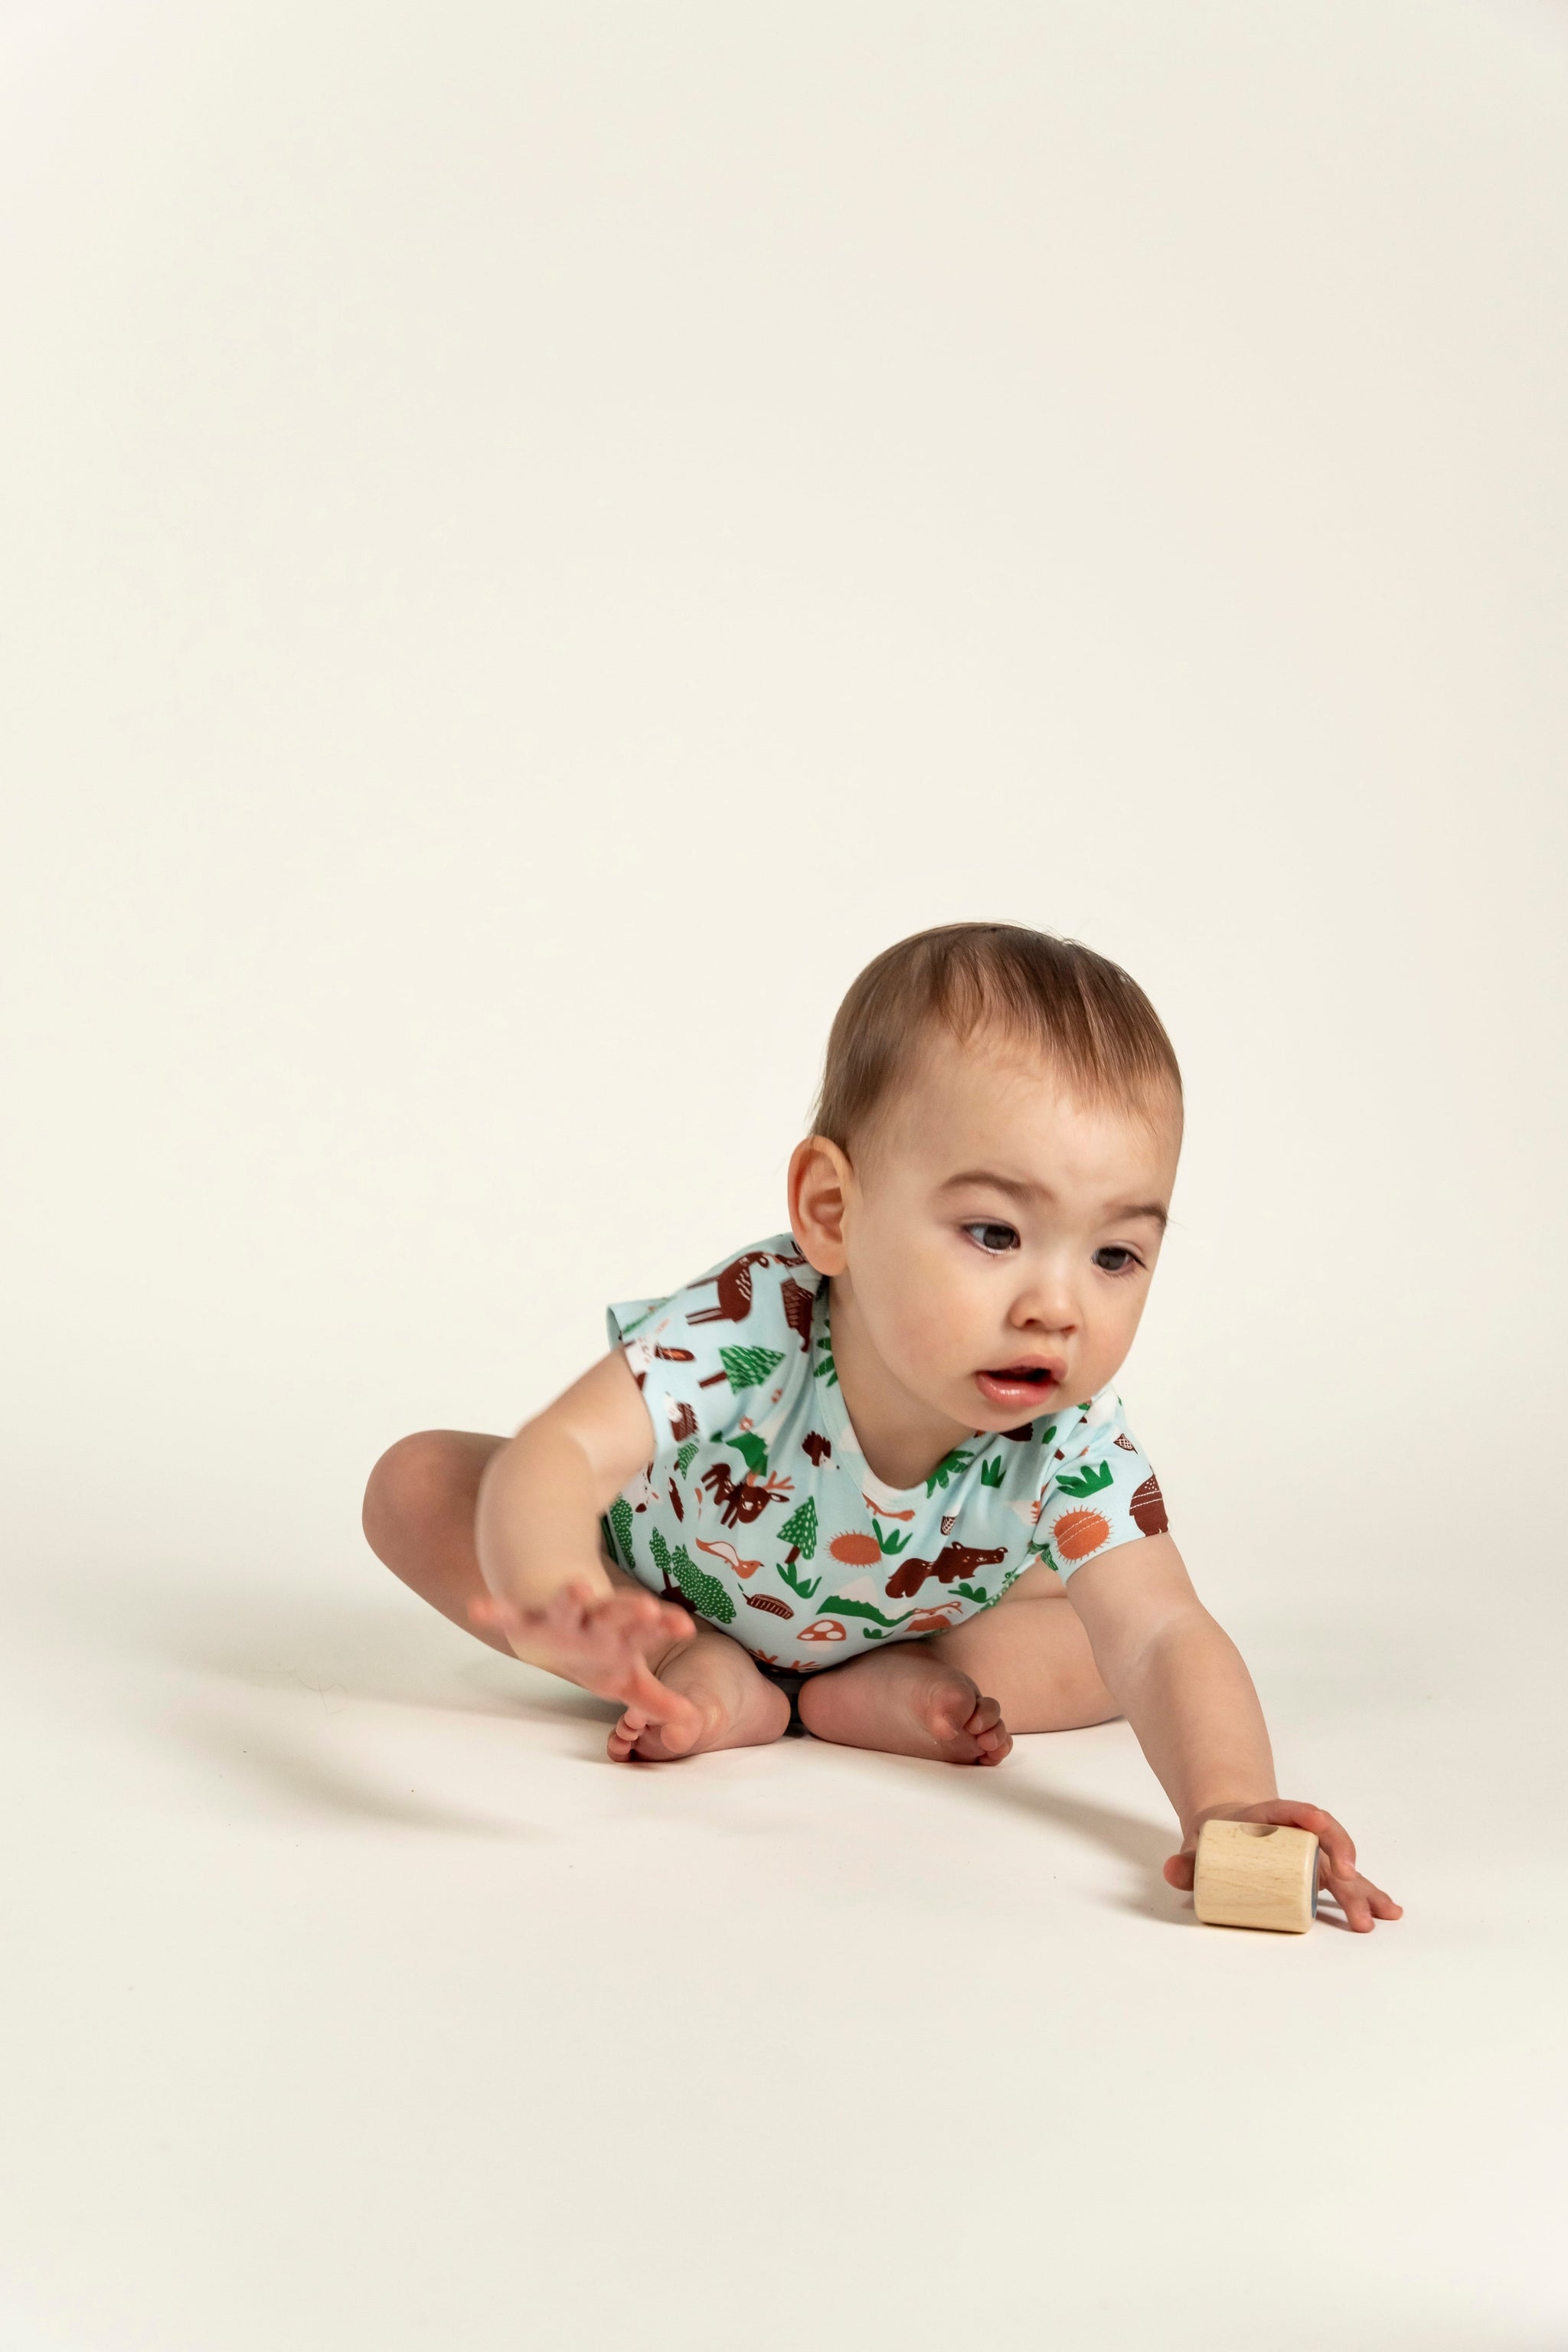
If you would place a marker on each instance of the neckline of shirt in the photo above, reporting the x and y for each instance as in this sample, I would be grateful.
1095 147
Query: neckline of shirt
841 1429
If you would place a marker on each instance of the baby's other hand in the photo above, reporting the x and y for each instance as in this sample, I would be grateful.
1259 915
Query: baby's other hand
1357 1897
602 1641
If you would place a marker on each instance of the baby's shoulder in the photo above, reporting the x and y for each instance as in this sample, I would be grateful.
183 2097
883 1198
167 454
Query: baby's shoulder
730 1345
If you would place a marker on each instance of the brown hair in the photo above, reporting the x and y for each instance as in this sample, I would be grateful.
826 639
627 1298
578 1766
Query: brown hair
1082 1011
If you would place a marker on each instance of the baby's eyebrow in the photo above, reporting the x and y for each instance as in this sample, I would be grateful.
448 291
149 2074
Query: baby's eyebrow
1151 1209
1018 1188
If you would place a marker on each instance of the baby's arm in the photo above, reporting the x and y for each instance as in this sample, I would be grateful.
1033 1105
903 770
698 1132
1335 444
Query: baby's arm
536 1531
1181 1684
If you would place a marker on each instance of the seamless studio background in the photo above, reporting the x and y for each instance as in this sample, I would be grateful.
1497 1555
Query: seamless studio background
535 540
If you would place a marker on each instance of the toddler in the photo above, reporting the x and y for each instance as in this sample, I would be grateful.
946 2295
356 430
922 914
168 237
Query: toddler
868 1479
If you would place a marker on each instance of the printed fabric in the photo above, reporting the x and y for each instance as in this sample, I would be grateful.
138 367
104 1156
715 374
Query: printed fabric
761 1512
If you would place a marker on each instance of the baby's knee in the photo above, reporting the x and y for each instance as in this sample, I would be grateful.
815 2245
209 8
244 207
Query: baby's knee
409 1493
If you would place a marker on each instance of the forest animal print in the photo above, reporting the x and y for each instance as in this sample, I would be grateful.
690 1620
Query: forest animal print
760 1503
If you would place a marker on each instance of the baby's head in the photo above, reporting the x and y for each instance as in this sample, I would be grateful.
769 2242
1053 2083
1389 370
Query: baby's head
994 1150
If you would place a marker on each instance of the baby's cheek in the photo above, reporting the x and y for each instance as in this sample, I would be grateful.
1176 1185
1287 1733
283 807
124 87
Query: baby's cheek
933 1331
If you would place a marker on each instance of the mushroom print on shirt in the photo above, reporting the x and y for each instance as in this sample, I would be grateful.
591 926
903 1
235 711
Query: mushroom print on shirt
761 1513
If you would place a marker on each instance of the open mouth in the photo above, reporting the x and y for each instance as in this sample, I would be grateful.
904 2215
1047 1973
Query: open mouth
1008 1384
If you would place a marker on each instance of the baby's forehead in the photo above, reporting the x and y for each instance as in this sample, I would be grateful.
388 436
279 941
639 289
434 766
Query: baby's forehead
1003 1105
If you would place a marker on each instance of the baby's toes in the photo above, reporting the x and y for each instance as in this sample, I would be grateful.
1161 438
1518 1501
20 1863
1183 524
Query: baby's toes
951 1708
993 1738
989 1733
626 1734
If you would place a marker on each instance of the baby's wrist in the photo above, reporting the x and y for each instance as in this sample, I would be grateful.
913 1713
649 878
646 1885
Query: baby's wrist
1227 1808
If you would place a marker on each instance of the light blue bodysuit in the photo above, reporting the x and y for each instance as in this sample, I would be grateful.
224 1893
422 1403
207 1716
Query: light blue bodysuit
760 1510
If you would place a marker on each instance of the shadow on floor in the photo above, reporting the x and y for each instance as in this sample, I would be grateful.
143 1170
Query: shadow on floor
387 1648
1137 1840
294 1769
255 1638
392 1652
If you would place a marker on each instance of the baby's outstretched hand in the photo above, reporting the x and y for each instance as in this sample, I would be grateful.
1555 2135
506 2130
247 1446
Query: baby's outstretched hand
1357 1897
601 1641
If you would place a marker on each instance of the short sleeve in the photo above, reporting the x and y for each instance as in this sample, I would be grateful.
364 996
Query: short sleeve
713 1357
1100 1491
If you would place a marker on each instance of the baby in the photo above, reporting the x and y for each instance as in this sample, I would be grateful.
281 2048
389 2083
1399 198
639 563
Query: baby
868 1479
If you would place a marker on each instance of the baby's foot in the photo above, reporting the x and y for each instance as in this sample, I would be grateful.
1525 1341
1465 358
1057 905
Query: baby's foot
728 1703
968 1728
618 1644
909 1704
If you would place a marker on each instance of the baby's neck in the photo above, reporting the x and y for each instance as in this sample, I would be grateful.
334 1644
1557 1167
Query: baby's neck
902 1438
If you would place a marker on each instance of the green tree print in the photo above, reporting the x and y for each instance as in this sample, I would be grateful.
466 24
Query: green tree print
799 1531
744 1368
827 1369
686 1456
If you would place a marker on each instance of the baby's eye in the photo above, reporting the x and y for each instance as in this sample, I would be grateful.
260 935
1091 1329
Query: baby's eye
1117 1260
988 1238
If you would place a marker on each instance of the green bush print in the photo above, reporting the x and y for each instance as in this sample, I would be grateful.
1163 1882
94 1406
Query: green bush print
1089 1482
951 1466
705 1593
621 1522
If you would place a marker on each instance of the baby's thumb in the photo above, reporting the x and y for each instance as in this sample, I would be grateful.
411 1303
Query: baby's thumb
1179 1870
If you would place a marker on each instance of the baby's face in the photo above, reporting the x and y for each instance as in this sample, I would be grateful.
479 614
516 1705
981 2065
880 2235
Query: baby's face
1000 1235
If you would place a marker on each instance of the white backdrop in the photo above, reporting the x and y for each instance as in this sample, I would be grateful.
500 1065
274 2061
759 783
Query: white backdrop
534 540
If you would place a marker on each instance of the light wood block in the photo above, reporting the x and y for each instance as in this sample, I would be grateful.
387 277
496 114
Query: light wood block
1255 1875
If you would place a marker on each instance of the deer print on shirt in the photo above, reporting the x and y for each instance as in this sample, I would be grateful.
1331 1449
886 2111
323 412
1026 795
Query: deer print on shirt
745 1502
734 1287
797 1305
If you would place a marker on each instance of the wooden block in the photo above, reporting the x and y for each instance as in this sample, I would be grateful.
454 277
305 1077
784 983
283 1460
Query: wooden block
1255 1875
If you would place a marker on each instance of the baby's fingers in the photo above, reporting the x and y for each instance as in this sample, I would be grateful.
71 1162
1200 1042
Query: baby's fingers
489 1609
655 1700
1360 1900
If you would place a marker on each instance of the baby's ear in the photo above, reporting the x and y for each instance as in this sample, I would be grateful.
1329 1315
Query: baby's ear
819 1179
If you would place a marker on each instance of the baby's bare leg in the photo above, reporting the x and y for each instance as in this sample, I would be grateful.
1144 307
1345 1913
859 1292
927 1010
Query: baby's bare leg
419 1511
419 1519
1033 1656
